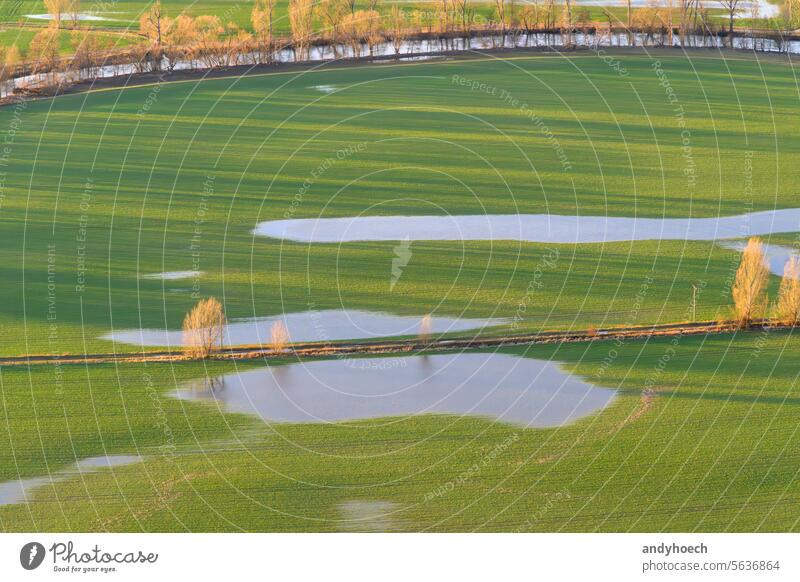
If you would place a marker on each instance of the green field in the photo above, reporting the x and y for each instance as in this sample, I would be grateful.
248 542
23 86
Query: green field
126 170
714 450
100 188
122 16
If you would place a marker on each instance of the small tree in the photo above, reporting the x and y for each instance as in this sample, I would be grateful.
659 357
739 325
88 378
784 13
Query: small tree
279 336
301 19
153 25
262 19
8 67
731 7
750 286
56 10
44 50
787 308
204 328
425 329
397 27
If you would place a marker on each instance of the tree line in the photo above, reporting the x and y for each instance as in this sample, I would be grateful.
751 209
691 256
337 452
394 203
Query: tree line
346 26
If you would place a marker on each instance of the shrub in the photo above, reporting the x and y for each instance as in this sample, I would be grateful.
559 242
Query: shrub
203 328
750 286
279 336
787 307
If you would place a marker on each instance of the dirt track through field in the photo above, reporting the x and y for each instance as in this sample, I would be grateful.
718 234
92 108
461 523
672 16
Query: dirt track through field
400 346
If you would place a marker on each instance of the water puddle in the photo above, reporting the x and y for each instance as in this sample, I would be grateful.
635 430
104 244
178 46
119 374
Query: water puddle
310 326
541 228
66 17
369 516
21 490
173 275
777 255
522 391
744 9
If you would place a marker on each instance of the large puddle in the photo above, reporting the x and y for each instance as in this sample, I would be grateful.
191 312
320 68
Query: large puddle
310 326
542 228
21 490
522 391
777 255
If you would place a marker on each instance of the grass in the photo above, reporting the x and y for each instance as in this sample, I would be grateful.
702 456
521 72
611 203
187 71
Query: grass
22 37
712 449
123 15
100 188
175 176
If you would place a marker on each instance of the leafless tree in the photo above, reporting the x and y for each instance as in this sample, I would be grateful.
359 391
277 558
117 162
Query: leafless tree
731 6
425 329
152 27
301 19
204 328
44 50
397 27
56 10
787 307
279 336
465 15
567 24
262 20
750 285
10 62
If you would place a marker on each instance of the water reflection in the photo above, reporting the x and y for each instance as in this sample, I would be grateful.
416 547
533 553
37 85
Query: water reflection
542 228
523 391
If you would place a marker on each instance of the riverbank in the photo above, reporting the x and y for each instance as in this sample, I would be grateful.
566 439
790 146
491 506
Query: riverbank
139 79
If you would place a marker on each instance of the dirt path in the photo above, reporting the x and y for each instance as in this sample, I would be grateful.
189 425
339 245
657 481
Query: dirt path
312 350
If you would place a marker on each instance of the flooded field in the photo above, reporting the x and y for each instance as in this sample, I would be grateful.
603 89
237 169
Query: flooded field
20 490
310 326
521 391
542 228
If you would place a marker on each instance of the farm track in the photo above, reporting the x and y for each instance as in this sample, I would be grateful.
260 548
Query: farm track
312 350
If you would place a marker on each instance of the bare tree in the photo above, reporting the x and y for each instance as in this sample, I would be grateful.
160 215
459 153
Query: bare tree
152 27
10 62
44 50
73 10
332 13
685 8
425 329
262 20
301 18
500 12
465 15
750 285
631 37
279 336
567 23
397 27
787 308
731 6
56 10
204 328
374 29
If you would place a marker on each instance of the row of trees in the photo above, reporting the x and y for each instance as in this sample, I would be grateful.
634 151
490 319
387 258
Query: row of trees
204 330
750 300
210 42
